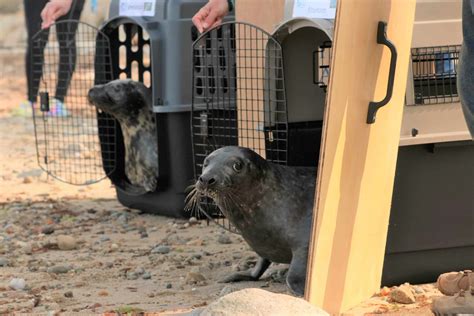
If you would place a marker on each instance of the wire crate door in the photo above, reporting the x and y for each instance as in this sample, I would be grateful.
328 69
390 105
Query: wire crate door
238 94
66 61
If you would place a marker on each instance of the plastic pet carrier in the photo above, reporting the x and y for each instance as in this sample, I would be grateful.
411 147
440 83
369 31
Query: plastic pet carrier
150 44
268 92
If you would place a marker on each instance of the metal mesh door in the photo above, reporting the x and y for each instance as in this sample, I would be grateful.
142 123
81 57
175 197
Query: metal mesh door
238 93
65 58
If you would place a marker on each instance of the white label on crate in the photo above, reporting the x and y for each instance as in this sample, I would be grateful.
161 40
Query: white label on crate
137 7
315 9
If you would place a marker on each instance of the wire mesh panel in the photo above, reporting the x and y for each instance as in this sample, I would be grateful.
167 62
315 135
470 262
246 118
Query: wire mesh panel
64 63
434 74
238 94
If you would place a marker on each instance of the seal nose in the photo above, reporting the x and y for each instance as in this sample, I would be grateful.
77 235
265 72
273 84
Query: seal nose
206 182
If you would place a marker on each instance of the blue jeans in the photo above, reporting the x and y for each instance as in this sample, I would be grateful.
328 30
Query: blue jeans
466 65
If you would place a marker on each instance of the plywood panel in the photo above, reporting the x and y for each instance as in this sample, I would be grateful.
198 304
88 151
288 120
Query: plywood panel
357 165
266 14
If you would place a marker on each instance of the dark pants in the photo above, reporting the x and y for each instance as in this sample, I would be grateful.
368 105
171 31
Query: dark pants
37 42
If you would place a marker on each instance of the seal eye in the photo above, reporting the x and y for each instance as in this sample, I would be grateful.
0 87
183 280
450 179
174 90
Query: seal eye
237 166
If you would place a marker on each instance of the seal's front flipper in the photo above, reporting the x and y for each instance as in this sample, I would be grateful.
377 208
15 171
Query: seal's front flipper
250 274
296 278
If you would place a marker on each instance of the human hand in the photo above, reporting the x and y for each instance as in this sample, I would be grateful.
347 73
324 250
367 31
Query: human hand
53 10
211 15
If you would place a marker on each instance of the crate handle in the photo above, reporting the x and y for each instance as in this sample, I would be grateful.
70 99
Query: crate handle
382 39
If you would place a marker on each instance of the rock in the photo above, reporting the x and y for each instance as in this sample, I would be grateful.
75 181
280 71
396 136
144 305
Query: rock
104 238
27 180
4 262
161 249
403 294
143 235
59 269
132 276
68 294
17 284
114 247
224 239
418 290
139 271
193 220
169 285
259 302
66 242
48 230
146 276
194 278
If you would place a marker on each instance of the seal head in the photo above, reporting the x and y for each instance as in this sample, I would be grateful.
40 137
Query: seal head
129 102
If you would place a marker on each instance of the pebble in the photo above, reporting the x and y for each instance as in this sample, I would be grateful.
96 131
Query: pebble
161 249
146 276
59 269
48 230
139 271
143 235
403 294
68 294
194 278
169 285
193 220
66 242
4 262
114 247
224 239
27 180
104 238
17 284
132 276
109 265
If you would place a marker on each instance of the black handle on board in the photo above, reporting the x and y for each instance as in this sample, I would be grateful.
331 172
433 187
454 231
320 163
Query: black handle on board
382 39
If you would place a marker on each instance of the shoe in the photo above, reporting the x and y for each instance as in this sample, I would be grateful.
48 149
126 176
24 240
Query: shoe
452 282
58 109
24 110
459 304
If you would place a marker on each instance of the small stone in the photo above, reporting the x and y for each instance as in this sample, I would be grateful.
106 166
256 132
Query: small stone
193 220
139 271
17 284
186 225
403 294
104 238
48 230
4 262
27 180
114 247
66 242
418 290
143 235
132 276
224 239
161 250
59 269
169 285
385 291
194 278
109 265
195 242
68 294
146 276
103 293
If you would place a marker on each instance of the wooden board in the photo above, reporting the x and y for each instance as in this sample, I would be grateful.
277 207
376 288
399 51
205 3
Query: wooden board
357 166
266 14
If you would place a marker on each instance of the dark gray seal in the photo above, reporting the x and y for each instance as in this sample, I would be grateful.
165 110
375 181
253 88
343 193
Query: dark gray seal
129 102
270 204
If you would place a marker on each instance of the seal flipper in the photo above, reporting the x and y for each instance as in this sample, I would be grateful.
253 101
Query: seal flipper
250 274
296 278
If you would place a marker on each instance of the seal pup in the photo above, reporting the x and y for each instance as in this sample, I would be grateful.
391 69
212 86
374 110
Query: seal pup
129 102
270 204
